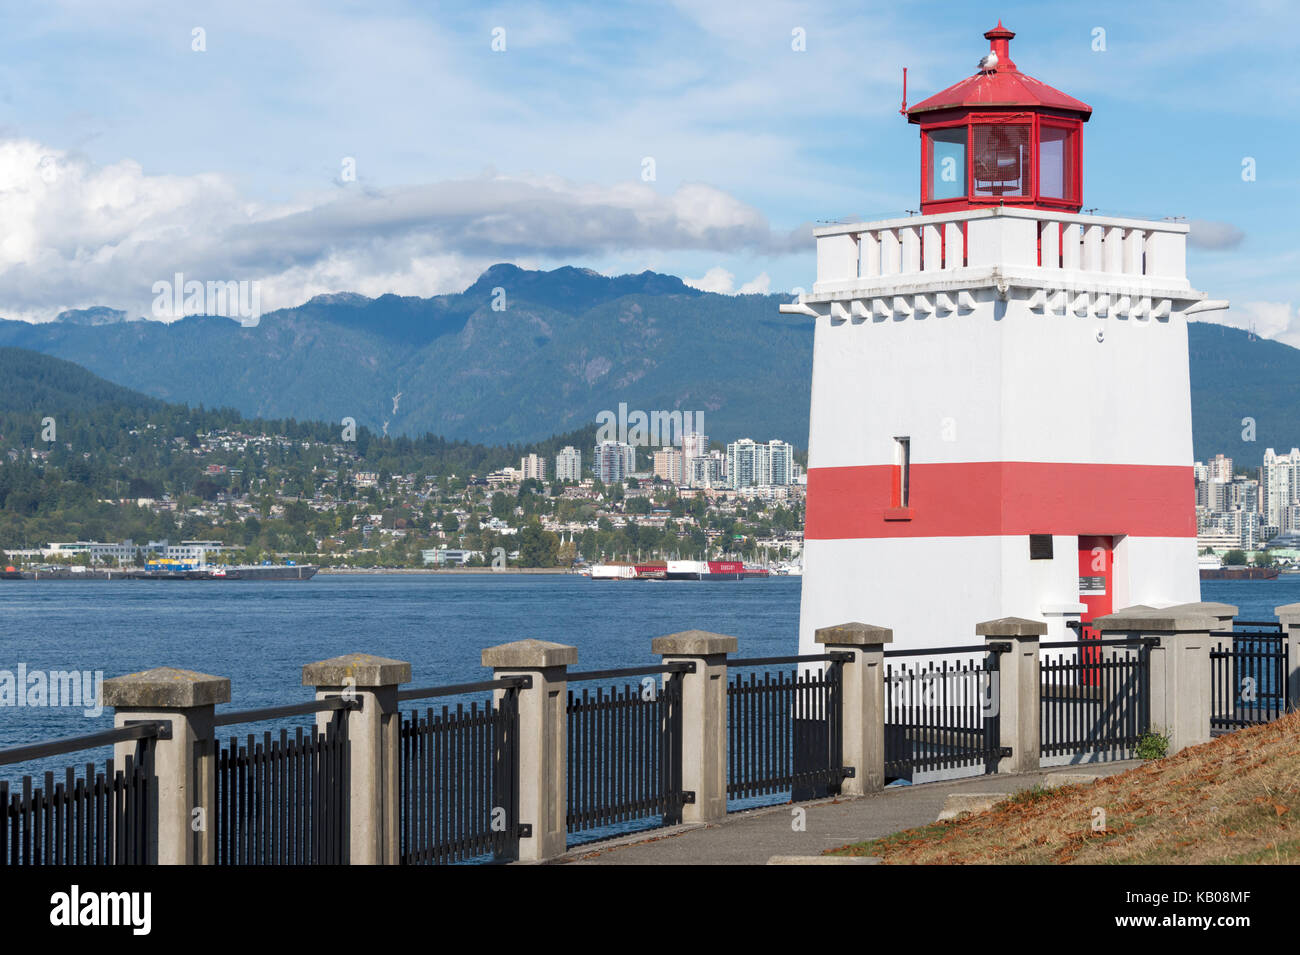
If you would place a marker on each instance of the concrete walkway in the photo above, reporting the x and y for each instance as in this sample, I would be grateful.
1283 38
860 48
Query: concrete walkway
753 837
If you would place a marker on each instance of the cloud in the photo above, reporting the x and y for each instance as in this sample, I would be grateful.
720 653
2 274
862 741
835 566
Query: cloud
716 279
79 234
1213 235
719 280
1279 321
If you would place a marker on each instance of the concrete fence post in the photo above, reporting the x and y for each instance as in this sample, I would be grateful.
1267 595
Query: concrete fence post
863 686
1289 615
543 740
184 765
704 717
1180 669
374 742
1018 692
1223 614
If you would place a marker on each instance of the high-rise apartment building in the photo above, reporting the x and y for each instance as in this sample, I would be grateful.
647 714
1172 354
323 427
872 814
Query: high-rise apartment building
568 464
780 463
1279 485
695 445
669 465
707 471
1221 468
613 461
750 464
533 466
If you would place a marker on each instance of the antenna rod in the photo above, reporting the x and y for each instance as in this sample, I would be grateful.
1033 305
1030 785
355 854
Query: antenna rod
902 110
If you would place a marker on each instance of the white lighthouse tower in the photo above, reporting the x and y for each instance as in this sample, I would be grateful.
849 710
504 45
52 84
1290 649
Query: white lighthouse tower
1001 413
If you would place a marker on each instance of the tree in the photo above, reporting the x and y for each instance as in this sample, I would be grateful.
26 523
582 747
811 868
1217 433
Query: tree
1265 559
537 548
450 523
1234 558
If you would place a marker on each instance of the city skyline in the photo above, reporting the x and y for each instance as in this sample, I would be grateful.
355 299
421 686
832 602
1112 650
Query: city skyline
1235 511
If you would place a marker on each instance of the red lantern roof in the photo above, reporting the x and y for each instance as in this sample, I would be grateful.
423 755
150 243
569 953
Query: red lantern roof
1000 87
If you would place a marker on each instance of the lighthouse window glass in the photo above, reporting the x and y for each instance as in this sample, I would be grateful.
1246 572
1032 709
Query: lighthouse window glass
1056 162
947 162
1000 161
903 454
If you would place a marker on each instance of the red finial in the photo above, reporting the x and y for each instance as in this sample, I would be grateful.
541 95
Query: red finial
1000 43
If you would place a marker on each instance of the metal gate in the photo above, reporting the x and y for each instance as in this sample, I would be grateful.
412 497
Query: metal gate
283 800
625 751
941 716
784 727
459 775
1095 696
1249 669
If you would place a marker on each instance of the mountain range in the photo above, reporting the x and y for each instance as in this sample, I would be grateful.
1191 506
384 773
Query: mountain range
520 355
541 357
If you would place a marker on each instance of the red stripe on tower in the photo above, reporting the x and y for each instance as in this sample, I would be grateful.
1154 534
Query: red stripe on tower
991 498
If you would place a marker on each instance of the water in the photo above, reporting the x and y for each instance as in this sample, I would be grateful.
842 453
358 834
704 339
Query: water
260 634
1254 599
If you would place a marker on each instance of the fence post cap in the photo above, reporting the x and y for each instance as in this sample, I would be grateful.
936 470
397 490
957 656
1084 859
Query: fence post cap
356 669
165 688
693 643
853 634
1172 620
1207 607
530 654
1011 627
1288 610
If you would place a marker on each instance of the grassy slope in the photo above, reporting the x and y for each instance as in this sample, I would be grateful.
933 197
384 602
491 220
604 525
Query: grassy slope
1233 800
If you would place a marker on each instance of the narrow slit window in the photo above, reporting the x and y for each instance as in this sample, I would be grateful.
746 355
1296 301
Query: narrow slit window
903 458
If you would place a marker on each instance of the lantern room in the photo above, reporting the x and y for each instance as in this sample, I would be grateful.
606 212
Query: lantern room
1000 137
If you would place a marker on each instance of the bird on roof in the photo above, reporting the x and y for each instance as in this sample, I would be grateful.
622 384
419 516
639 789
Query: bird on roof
989 63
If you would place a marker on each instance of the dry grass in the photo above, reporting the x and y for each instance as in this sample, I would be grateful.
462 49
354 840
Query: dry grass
1233 800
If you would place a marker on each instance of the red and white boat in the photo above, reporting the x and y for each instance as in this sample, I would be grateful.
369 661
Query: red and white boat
616 571
705 570
677 570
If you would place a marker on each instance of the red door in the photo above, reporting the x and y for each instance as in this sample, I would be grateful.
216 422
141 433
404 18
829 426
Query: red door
1096 590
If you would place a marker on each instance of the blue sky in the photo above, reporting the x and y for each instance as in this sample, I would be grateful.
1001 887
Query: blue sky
126 155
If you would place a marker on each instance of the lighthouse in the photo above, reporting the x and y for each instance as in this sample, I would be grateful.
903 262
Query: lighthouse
1001 410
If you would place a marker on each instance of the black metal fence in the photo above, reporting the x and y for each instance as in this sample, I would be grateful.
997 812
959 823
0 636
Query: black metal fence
1249 670
942 716
460 776
625 750
784 727
1095 696
283 800
97 818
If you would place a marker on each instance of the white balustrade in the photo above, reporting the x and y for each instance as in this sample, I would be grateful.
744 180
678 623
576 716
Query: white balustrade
1008 238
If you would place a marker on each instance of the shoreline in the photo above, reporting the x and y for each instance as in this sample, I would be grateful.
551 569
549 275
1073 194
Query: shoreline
445 570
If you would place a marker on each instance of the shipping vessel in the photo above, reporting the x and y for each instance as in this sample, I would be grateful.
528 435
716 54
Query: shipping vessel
1238 573
240 572
615 571
676 570
705 570
180 570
